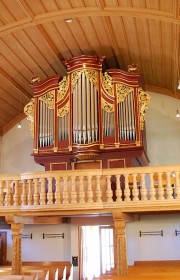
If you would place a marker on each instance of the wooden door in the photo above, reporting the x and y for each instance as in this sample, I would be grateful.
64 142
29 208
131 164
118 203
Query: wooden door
3 247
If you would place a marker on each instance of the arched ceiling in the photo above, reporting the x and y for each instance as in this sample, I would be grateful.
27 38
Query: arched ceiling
35 39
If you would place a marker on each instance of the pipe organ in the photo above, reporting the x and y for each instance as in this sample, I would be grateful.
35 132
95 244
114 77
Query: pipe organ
89 116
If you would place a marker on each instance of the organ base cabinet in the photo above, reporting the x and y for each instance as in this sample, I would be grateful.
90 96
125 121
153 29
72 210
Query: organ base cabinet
91 118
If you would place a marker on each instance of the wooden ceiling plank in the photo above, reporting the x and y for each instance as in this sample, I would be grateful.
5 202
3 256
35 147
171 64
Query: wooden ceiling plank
6 14
132 42
106 46
50 6
12 83
91 36
78 33
121 40
14 60
34 7
22 4
144 53
156 47
65 32
8 108
65 4
54 56
16 10
25 55
34 51
9 98
112 39
139 4
57 40
13 74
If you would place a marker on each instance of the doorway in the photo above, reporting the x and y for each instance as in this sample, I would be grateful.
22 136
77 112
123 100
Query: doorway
97 251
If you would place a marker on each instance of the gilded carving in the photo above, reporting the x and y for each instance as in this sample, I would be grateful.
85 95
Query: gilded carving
92 75
144 99
63 111
88 156
107 83
62 89
122 92
48 98
29 111
107 106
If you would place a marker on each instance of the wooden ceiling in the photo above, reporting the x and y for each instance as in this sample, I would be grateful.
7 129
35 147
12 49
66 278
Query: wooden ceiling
35 39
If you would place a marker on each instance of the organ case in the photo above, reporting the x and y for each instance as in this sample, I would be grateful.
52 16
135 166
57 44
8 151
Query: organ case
89 115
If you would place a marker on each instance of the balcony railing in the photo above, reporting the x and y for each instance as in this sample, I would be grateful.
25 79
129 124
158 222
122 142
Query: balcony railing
129 189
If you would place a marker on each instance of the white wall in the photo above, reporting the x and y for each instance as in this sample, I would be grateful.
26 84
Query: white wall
48 249
166 247
163 130
16 150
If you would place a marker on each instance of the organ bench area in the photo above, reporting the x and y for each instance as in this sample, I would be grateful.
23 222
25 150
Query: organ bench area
91 118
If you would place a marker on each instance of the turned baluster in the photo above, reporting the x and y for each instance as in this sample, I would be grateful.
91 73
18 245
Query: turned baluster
16 194
36 192
160 187
30 193
81 190
8 194
50 192
118 189
65 191
109 191
135 189
169 189
43 191
98 189
57 192
143 189
152 193
24 193
126 189
177 186
89 191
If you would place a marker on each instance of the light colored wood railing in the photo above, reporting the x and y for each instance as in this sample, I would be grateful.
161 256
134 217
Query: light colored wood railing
131 189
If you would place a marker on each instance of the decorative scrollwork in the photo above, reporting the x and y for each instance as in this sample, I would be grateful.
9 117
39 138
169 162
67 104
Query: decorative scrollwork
29 111
107 83
48 98
122 92
92 75
63 111
144 99
62 89
107 106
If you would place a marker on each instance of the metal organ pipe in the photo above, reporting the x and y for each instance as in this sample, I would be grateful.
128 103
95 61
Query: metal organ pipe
85 111
45 125
127 118
84 108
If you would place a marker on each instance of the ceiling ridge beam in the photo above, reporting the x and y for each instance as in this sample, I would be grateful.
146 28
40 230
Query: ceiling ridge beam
90 12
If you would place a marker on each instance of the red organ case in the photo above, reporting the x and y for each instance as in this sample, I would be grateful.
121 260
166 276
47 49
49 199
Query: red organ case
90 118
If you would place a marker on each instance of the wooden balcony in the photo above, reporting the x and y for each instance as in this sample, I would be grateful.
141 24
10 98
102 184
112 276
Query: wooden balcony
130 190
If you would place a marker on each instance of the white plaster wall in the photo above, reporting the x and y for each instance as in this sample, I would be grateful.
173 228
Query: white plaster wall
16 150
163 130
166 247
39 249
